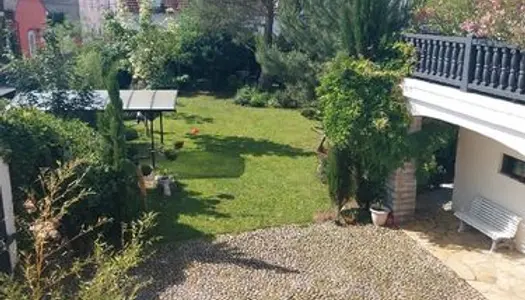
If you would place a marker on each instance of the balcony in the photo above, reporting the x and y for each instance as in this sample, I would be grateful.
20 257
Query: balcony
470 64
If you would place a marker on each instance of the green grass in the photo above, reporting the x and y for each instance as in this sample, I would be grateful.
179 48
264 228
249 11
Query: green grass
247 168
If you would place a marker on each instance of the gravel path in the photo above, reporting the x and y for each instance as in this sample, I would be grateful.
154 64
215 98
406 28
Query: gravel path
317 262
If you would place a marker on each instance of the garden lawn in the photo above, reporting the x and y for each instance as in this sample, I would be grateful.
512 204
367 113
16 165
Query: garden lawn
247 168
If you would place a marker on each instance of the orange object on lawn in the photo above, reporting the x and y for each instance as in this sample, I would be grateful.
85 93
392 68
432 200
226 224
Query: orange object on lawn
194 131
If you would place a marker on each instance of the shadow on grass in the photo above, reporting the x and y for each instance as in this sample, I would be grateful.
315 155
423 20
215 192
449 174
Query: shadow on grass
245 145
192 118
201 164
221 95
183 202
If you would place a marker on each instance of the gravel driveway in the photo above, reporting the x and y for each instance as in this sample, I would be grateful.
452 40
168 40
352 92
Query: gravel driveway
316 262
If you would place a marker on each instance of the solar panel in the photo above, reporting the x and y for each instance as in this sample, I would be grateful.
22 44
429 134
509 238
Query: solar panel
132 100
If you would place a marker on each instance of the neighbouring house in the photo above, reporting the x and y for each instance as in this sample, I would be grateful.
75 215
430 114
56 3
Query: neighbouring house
63 9
479 86
27 19
92 12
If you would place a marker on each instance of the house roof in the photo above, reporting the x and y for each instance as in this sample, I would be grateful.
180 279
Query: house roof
4 91
10 5
132 100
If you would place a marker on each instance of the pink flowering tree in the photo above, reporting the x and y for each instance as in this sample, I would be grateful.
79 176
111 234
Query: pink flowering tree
498 19
502 20
443 16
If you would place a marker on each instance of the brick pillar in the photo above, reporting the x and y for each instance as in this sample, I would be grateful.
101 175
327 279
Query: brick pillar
402 186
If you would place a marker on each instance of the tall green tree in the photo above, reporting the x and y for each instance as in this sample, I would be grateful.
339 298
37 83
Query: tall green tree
242 18
322 28
114 123
365 112
51 72
341 177
125 193
319 29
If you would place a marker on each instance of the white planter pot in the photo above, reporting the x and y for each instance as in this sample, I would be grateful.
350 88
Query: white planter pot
379 217
165 183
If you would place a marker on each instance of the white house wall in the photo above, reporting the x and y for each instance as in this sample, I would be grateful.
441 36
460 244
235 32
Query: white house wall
478 165
489 128
500 120
5 186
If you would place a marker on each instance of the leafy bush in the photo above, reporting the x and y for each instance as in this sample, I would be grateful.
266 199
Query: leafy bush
341 180
251 96
364 112
32 140
131 134
3 104
43 272
178 145
443 16
260 99
501 20
309 113
171 154
146 170
285 99
244 95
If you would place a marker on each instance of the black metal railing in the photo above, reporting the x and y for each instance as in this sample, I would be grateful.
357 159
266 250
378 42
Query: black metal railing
471 64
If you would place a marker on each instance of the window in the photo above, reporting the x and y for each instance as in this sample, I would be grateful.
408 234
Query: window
31 38
513 167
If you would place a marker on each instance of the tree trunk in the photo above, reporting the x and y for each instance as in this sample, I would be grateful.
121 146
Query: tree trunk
264 81
268 23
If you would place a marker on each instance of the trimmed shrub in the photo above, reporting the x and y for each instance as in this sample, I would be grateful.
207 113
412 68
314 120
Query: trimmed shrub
171 154
131 134
31 140
178 145
260 100
244 95
310 113
146 170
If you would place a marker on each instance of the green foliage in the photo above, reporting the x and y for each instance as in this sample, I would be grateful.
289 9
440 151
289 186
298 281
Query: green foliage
251 96
364 111
437 142
260 99
177 145
112 278
341 180
51 70
240 18
3 104
32 140
125 195
314 31
245 95
171 154
146 170
44 273
131 134
89 66
443 16
310 113
179 54
112 125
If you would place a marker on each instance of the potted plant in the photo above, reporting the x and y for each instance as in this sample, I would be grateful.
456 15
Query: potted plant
147 172
379 213
164 182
